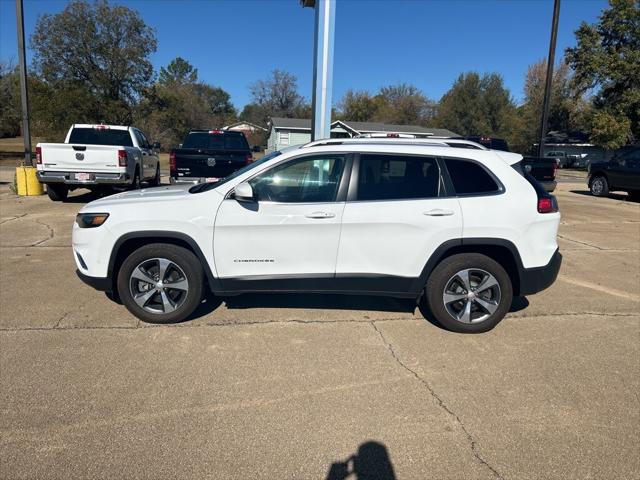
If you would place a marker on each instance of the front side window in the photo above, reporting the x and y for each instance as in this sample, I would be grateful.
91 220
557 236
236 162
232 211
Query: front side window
469 178
312 179
397 177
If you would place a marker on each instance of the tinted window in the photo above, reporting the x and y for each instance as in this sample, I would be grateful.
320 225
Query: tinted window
470 178
313 179
94 136
206 140
396 177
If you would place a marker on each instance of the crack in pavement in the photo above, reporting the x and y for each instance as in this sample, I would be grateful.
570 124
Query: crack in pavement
472 441
581 243
13 218
141 326
51 233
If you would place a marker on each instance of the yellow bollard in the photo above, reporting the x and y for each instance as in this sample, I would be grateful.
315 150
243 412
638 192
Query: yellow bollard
27 183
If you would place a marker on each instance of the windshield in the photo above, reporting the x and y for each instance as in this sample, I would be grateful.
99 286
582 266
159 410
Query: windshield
203 187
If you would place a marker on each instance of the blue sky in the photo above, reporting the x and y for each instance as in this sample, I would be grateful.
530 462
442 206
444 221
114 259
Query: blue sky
424 42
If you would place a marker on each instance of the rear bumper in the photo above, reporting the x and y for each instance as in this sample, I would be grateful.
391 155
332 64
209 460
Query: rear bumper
96 178
103 284
533 280
190 180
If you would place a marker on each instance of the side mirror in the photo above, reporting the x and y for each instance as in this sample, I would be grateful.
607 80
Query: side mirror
244 192
156 145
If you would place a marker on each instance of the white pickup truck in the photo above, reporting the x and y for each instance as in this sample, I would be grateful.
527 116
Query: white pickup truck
93 156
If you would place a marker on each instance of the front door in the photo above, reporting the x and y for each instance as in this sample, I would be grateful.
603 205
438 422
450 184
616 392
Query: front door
290 231
396 220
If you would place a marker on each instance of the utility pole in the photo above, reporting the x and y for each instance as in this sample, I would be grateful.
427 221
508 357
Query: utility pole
26 134
548 82
322 66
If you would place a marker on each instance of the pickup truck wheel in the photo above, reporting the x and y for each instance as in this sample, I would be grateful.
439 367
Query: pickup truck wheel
469 293
156 179
161 283
135 184
57 193
599 186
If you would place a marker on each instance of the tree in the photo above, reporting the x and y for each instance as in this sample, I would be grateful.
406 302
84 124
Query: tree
404 104
606 60
477 105
9 101
179 71
277 96
568 109
358 106
102 50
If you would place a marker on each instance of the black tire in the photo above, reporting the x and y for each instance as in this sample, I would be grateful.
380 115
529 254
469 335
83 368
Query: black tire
599 186
135 183
156 179
634 195
185 264
444 276
57 193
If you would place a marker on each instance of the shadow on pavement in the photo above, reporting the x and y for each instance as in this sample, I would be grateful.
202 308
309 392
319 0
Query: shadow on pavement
320 301
370 462
615 196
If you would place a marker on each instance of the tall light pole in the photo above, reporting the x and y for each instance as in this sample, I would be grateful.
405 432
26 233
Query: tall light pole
26 134
325 11
548 82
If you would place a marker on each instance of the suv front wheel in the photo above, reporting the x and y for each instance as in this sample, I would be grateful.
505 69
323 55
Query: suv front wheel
161 283
469 293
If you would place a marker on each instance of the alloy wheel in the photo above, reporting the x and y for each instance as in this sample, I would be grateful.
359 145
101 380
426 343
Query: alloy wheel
158 285
471 295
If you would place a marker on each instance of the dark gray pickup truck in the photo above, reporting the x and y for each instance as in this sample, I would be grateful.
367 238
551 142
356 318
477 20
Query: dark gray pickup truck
543 170
208 155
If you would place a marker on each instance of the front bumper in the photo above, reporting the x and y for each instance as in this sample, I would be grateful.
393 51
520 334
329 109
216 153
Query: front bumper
104 284
95 179
533 280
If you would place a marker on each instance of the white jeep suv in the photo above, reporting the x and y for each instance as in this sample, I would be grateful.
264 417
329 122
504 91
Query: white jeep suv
456 226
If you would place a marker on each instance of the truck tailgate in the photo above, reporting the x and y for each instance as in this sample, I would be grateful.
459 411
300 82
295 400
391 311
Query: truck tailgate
208 163
79 158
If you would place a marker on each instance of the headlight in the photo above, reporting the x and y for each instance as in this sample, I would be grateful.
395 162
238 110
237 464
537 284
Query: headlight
91 220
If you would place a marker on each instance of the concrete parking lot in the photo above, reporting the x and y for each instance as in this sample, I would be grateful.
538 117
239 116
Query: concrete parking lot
262 386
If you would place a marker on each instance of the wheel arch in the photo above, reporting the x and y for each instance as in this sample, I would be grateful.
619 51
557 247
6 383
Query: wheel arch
502 251
598 173
132 241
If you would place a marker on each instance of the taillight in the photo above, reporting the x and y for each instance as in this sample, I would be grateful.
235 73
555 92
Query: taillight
172 162
547 205
122 158
39 155
248 159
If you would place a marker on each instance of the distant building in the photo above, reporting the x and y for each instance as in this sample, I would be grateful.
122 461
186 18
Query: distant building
573 144
285 132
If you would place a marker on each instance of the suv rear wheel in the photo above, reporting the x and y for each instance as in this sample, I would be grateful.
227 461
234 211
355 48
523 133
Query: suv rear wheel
161 283
469 293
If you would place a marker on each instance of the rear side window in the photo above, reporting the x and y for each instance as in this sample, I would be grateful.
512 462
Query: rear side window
469 178
397 177
224 141
95 136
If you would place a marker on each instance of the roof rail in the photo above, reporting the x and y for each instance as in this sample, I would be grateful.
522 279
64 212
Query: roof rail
427 142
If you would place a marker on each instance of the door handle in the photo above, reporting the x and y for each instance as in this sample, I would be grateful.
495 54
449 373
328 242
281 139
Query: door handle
320 215
438 212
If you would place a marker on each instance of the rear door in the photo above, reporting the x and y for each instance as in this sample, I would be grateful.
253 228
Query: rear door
396 216
212 154
291 229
